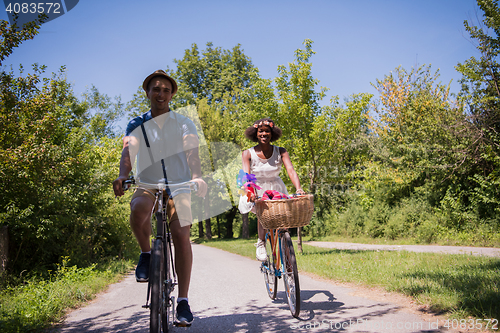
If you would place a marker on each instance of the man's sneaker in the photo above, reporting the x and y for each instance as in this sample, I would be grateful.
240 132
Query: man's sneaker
142 269
261 250
184 315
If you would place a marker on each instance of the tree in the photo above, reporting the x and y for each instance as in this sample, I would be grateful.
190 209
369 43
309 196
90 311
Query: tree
480 95
299 109
315 136
54 164
215 81
418 125
11 36
213 75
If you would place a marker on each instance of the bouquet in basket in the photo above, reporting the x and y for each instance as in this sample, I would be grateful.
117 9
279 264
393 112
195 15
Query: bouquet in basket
246 183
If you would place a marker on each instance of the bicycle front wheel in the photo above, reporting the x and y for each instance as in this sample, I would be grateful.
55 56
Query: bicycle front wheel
290 274
169 288
157 281
269 270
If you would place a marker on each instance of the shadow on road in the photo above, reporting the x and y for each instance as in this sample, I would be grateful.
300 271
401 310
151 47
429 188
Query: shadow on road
107 322
252 318
248 317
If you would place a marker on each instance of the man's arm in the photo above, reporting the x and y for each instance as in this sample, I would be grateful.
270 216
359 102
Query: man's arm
190 146
126 161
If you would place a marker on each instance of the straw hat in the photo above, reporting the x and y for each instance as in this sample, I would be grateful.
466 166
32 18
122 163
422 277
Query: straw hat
159 73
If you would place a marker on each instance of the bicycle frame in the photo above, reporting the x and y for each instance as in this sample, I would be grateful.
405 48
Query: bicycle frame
276 245
281 263
163 234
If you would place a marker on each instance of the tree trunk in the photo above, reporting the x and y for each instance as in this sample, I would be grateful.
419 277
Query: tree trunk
218 227
208 221
299 238
245 232
208 228
200 229
4 247
229 224
200 219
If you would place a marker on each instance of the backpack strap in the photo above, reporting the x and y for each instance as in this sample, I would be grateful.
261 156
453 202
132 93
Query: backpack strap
147 143
151 153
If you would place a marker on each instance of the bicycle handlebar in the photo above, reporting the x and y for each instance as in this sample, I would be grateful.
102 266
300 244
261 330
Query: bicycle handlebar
160 185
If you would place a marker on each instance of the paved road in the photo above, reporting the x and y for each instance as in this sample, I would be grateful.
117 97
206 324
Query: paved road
228 295
477 251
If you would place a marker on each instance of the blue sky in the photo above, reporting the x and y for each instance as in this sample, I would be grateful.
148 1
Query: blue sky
114 45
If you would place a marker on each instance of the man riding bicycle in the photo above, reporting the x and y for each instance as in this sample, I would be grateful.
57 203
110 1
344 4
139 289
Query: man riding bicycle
165 145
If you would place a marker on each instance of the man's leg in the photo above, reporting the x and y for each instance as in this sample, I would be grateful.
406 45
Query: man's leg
183 255
140 215
180 225
183 265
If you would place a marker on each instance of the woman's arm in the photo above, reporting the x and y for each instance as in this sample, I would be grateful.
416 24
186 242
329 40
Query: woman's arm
246 160
246 157
290 170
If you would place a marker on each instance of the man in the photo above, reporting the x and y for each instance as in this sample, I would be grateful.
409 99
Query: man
166 146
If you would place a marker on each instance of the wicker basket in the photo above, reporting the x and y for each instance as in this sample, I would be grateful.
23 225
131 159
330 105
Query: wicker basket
285 213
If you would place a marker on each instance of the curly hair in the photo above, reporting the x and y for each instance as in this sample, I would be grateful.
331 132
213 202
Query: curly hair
251 132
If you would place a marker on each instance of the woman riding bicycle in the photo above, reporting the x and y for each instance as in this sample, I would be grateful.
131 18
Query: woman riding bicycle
264 161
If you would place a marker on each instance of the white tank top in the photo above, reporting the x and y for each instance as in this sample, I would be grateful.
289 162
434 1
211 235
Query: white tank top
267 171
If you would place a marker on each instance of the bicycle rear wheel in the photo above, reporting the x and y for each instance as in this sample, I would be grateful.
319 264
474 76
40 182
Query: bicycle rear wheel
157 280
269 270
290 274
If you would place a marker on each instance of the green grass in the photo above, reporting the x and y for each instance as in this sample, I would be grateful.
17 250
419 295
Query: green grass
457 285
361 239
38 303
457 239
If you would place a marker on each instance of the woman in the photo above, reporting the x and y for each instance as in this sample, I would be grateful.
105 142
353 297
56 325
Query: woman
264 161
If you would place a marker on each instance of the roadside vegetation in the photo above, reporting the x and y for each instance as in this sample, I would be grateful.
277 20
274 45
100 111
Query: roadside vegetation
417 163
38 302
455 285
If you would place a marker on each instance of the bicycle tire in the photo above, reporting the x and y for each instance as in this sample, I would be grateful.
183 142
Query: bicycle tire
157 280
169 285
290 274
269 270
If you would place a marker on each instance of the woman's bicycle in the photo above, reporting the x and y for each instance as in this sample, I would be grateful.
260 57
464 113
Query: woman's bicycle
162 277
276 216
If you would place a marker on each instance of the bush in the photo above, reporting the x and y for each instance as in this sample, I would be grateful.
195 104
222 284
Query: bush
376 219
37 303
58 158
407 218
351 222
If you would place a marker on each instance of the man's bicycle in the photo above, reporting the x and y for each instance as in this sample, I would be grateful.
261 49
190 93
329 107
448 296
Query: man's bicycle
276 216
162 277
